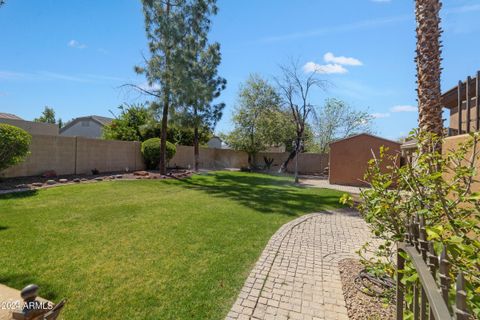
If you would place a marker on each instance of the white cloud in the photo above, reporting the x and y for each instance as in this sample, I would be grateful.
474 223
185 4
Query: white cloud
404 108
333 64
76 44
324 68
346 61
380 115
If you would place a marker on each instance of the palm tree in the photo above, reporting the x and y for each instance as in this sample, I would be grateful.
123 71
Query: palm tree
428 62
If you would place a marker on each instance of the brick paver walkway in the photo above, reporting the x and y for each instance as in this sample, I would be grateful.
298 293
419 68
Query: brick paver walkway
297 275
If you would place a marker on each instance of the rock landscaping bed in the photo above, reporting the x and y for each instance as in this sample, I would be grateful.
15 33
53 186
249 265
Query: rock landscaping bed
361 306
50 179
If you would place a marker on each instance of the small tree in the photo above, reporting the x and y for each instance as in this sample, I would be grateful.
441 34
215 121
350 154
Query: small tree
128 125
443 197
14 145
48 116
258 119
338 120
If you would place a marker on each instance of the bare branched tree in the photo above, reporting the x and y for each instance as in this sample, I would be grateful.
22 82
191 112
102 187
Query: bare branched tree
295 87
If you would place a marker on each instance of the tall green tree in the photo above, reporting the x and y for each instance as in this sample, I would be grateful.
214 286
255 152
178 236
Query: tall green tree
166 25
259 119
48 116
201 83
176 31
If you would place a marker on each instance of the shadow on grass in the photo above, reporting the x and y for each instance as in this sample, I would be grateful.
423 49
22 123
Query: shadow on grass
263 193
19 281
19 195
2 228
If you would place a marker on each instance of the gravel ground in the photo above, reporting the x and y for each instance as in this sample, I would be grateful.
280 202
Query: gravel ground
359 305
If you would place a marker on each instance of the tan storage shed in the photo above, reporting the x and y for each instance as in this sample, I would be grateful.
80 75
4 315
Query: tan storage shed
349 157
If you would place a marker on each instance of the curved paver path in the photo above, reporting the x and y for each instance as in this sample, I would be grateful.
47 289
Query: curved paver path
297 275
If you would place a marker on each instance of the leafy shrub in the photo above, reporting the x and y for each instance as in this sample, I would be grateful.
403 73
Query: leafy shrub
438 187
14 145
151 152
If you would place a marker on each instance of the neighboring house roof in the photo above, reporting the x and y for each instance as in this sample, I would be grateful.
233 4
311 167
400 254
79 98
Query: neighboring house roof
365 134
9 116
103 121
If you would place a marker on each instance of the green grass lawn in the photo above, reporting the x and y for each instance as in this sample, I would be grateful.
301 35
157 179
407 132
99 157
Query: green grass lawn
147 249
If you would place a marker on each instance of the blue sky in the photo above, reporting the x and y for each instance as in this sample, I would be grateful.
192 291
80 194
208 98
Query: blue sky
74 55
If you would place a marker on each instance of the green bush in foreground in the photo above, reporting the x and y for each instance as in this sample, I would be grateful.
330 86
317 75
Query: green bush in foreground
14 145
151 152
438 187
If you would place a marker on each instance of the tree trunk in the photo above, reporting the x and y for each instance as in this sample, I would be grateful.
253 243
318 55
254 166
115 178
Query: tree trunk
163 138
166 103
292 154
196 149
252 160
428 62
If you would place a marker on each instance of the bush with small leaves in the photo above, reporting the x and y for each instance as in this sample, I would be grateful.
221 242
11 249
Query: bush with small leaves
14 145
151 152
436 186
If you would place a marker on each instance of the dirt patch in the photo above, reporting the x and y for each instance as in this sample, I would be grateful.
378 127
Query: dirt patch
361 306
37 182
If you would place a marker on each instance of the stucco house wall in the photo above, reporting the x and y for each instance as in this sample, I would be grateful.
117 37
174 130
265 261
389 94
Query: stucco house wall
349 157
215 142
83 128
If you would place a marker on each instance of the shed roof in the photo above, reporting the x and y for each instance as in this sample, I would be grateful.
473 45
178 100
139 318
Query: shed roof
364 134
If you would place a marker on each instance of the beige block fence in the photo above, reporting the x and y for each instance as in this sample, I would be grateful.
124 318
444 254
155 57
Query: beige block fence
77 155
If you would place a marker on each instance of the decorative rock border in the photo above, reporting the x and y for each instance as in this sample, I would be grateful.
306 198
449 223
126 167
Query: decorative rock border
91 179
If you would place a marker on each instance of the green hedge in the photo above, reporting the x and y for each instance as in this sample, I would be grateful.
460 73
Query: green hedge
151 152
14 145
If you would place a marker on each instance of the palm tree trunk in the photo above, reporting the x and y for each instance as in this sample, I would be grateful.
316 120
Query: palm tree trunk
428 62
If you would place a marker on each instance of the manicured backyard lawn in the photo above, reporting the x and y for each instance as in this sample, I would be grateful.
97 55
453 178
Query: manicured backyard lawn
150 249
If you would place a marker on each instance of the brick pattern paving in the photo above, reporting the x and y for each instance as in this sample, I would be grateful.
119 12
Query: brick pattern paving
297 275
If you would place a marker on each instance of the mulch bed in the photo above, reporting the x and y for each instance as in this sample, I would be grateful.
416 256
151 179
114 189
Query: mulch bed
39 182
361 306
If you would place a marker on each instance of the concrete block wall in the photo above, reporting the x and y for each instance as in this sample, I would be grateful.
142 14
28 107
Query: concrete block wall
76 155
211 158
46 153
